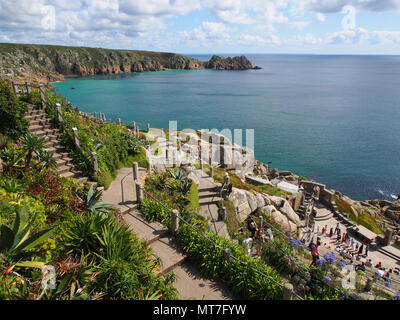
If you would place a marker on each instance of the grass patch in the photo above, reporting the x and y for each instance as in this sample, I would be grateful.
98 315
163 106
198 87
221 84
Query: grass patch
219 175
193 197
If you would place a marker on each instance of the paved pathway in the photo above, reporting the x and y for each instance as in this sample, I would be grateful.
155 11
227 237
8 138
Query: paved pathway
190 284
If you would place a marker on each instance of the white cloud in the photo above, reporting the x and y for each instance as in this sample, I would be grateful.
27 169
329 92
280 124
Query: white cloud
300 25
320 17
208 33
300 7
347 36
158 7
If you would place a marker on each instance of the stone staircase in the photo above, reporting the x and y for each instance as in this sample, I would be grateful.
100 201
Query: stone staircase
162 244
390 252
209 197
40 126
324 217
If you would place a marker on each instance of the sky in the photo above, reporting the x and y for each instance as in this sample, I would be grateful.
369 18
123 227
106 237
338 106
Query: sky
208 26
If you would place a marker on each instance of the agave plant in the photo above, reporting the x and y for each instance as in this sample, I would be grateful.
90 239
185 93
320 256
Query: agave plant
178 174
16 242
184 187
93 203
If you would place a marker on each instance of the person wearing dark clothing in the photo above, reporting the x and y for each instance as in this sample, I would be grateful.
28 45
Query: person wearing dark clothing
360 251
361 267
251 226
337 230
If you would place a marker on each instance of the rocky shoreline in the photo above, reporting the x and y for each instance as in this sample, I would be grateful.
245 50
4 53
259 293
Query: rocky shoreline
43 63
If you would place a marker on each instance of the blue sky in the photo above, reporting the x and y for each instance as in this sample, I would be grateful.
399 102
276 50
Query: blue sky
208 26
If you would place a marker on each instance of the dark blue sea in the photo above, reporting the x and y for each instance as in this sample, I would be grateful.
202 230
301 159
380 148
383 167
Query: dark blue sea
334 119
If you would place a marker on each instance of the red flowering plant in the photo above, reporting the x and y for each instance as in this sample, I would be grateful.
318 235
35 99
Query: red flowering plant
55 192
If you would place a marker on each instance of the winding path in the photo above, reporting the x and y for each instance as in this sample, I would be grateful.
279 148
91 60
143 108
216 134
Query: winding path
190 283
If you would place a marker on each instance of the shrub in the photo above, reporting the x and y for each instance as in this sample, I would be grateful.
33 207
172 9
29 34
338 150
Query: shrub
12 112
121 279
241 279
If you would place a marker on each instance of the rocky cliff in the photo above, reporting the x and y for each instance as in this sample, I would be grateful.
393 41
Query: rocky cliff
43 63
236 63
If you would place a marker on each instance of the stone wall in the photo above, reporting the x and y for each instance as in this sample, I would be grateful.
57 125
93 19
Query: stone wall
325 196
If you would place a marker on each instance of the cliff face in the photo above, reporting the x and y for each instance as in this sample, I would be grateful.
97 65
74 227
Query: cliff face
236 63
42 63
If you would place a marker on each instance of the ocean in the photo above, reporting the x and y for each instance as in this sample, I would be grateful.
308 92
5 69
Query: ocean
334 119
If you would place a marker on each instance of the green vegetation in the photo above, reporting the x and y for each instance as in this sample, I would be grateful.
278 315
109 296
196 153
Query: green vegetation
12 111
362 218
114 145
87 248
47 220
50 61
238 183
242 280
367 221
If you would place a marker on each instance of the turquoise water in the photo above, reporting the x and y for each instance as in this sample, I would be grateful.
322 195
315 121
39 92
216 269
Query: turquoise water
334 119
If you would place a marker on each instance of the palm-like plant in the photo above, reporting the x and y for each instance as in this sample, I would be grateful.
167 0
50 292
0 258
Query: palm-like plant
32 144
46 159
93 203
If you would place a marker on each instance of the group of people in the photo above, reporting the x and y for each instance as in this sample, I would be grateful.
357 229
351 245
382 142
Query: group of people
259 236
351 247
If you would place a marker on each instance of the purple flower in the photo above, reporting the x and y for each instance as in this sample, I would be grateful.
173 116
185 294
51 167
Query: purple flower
326 279
397 296
387 284
355 296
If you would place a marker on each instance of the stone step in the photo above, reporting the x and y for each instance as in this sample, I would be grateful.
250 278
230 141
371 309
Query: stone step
83 180
45 132
38 127
71 174
52 137
56 149
324 217
208 194
168 250
63 161
148 231
209 189
61 155
34 117
35 112
389 254
209 200
52 143
64 169
41 122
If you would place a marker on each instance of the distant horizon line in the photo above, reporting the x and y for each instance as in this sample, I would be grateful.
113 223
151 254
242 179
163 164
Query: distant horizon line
295 54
